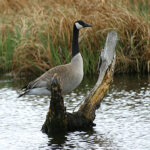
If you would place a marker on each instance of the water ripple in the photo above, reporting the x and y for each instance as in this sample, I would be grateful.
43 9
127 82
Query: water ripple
122 122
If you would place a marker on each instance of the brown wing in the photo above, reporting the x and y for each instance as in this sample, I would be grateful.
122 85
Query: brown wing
45 79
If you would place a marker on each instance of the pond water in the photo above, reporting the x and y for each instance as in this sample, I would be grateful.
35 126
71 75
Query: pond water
122 121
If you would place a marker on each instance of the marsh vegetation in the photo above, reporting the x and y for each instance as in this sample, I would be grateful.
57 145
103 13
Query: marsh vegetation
36 35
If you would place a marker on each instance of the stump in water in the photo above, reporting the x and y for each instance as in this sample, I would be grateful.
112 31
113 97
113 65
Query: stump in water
58 120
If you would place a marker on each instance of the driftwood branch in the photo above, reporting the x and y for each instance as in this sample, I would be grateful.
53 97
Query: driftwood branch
107 59
58 120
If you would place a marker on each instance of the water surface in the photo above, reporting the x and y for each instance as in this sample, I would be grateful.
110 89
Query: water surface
122 121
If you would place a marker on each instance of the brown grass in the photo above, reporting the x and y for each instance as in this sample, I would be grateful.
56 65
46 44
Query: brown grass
43 27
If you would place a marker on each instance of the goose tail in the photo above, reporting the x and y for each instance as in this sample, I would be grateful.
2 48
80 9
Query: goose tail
23 94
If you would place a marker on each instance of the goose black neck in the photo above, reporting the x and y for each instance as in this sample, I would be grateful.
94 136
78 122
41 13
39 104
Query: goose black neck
75 45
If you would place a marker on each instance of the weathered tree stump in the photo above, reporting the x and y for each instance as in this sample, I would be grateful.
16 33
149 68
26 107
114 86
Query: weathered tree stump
58 120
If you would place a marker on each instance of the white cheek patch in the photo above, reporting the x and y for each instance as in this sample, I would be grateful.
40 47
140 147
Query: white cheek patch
78 26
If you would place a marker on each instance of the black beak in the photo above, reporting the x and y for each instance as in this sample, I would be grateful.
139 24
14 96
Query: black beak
87 25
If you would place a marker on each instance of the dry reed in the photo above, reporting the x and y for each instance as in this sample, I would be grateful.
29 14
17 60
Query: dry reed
42 33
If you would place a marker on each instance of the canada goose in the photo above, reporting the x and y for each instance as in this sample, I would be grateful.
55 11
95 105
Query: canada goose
71 74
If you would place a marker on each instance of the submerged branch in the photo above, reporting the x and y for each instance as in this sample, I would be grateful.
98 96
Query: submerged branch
108 59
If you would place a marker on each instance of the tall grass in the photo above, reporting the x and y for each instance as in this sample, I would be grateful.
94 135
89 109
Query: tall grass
7 46
139 6
39 33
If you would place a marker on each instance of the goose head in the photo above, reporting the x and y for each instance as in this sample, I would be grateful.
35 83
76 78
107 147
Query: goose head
81 24
77 26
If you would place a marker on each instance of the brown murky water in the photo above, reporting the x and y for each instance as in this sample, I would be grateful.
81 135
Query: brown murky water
122 121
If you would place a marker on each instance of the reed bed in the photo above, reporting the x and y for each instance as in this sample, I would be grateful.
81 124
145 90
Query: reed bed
36 35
